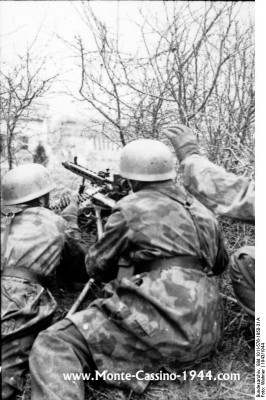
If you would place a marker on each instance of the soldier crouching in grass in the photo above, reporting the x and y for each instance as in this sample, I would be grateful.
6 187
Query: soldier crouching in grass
167 314
33 240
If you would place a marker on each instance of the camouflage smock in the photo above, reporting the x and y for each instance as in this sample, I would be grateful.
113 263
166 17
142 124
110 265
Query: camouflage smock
222 192
36 241
232 196
165 318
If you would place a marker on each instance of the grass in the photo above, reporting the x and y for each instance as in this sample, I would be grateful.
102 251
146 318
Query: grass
235 355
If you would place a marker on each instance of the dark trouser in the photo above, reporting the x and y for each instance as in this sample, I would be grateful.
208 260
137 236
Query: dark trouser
243 278
60 349
15 358
15 354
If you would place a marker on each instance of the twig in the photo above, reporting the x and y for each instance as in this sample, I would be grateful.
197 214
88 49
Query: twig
237 391
231 322
228 298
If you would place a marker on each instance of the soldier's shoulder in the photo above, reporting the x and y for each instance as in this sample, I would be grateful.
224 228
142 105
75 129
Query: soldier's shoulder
48 216
134 199
45 212
129 199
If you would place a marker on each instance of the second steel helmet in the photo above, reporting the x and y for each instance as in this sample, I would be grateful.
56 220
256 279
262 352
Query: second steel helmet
147 160
24 183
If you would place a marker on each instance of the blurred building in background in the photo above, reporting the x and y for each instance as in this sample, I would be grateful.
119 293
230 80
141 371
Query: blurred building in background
63 139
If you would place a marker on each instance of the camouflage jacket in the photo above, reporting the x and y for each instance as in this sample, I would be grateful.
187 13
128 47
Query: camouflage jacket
222 192
38 239
148 224
165 318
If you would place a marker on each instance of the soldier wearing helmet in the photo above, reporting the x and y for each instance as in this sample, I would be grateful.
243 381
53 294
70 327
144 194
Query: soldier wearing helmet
33 240
166 313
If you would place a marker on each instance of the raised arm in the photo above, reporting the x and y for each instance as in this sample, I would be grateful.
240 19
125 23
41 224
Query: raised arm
224 193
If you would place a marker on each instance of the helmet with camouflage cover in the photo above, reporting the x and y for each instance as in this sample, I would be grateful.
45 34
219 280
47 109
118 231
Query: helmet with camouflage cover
147 160
24 183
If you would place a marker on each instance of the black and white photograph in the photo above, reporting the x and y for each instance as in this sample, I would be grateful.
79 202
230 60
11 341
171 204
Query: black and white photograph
127 139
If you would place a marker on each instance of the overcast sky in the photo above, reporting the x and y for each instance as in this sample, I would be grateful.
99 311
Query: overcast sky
21 21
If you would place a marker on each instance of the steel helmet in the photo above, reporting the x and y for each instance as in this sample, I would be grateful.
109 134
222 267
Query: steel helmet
147 160
25 182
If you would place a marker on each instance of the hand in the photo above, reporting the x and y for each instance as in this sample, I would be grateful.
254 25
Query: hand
69 203
64 200
67 196
183 140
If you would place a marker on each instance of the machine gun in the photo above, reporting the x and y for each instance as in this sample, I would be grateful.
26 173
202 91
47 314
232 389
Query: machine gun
97 201
116 188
